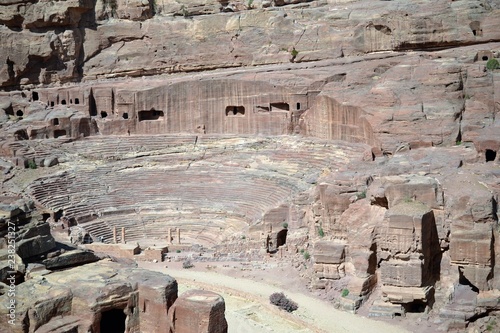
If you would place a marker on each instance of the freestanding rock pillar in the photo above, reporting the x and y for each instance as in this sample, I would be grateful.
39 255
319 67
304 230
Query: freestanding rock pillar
169 235
114 235
198 311
178 235
123 235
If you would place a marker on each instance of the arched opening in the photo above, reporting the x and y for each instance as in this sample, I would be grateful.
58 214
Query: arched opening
84 127
77 100
19 113
281 237
21 134
298 106
34 96
63 102
87 239
92 105
104 114
125 115
485 58
55 121
52 103
113 321
490 155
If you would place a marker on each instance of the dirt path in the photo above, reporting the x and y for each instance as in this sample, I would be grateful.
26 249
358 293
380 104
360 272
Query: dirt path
248 308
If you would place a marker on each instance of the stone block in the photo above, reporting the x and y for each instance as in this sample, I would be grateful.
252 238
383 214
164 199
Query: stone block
328 252
471 246
477 275
116 250
70 258
361 287
328 271
402 273
406 294
365 262
386 309
489 299
199 311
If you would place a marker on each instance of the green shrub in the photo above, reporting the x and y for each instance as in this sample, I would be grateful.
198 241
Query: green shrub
361 195
32 164
178 251
345 292
294 52
321 232
306 255
492 64
280 300
285 225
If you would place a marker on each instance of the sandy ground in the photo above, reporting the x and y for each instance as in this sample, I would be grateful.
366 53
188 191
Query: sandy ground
247 302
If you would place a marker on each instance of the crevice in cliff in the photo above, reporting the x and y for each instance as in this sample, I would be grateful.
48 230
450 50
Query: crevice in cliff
439 46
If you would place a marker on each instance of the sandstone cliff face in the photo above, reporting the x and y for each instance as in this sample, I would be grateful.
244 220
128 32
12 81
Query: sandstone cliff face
45 43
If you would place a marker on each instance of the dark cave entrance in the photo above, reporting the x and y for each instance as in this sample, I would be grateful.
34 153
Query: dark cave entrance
280 106
150 115
59 133
92 105
113 321
281 237
415 307
235 110
490 155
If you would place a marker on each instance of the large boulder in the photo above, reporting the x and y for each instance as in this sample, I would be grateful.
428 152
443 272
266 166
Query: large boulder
199 311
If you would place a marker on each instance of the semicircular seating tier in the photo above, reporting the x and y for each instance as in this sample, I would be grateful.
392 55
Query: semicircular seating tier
209 186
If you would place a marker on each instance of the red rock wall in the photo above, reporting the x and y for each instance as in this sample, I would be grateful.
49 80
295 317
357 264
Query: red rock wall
329 119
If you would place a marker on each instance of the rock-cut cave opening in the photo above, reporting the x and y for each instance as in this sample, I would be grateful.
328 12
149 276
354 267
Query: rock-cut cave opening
490 155
281 237
113 321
